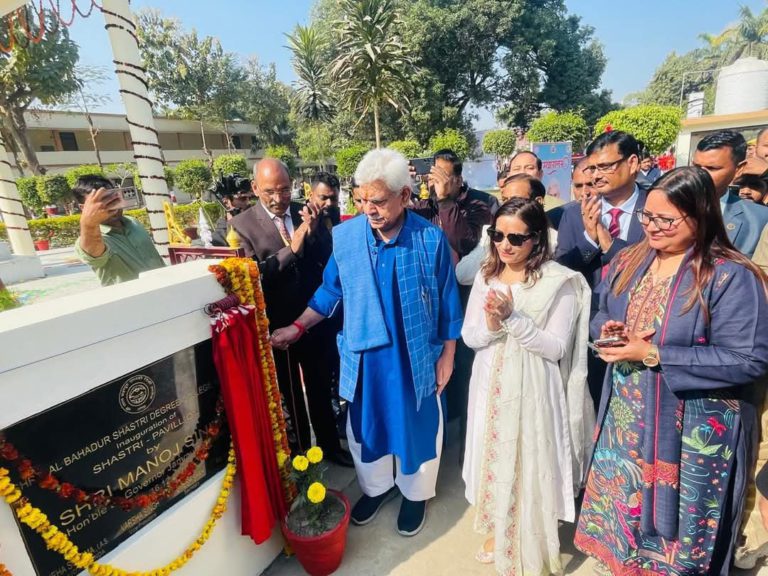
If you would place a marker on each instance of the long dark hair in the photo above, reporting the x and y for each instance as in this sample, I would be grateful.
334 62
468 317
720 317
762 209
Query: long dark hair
691 190
532 214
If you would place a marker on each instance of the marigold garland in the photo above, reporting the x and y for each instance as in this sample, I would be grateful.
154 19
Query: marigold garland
4 571
59 542
48 481
241 277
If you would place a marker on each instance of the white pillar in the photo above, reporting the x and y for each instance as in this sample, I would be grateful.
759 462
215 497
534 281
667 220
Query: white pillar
13 210
133 88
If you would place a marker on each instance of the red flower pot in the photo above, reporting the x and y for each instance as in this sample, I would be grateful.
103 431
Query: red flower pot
321 555
42 244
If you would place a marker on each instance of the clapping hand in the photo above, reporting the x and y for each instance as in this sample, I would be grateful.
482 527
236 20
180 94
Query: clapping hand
498 307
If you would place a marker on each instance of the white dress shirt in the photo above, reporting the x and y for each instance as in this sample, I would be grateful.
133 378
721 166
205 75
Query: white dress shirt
625 218
287 220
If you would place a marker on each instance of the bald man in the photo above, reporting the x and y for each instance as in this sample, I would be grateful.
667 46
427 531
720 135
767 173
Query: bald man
292 251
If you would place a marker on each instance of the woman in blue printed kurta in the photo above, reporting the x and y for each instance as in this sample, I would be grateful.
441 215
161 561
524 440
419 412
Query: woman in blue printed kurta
675 438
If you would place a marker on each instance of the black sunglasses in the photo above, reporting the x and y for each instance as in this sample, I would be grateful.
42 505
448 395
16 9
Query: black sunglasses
514 239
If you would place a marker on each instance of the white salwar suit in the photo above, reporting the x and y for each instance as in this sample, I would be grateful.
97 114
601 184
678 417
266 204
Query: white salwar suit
530 417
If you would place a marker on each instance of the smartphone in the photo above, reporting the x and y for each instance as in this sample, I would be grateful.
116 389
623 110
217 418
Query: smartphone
129 198
608 342
422 165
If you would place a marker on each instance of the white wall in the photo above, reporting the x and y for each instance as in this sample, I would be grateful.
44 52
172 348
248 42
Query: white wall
56 350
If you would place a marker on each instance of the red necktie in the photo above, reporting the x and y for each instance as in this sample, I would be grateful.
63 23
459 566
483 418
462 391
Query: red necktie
614 228
283 230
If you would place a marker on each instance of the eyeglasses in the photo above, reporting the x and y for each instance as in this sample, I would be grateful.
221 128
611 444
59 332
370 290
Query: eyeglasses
604 168
279 192
514 239
663 223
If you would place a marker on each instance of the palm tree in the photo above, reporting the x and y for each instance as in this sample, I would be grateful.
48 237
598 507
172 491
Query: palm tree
373 65
748 37
310 99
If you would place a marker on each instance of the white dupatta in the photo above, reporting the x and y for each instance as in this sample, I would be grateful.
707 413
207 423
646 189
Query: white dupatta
538 436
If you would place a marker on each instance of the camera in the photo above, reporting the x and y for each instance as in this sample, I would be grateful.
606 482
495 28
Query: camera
230 185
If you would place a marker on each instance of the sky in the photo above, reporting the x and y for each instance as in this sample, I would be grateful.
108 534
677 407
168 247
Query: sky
636 37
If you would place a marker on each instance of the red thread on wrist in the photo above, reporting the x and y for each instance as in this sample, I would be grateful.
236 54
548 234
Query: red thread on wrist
301 327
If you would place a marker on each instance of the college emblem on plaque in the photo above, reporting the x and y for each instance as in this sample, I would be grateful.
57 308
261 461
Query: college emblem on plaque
137 394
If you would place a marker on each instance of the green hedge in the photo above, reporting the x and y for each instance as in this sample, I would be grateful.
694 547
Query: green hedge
64 230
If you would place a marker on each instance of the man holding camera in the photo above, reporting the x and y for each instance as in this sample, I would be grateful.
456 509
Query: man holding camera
117 247
292 247
235 194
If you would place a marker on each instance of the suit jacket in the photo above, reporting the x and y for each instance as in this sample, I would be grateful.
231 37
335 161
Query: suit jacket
576 252
288 280
744 222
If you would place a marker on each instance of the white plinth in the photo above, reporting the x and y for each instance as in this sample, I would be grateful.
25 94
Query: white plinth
15 269
54 351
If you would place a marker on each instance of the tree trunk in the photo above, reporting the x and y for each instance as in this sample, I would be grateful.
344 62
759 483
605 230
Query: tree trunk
94 132
205 148
230 144
376 124
17 128
9 146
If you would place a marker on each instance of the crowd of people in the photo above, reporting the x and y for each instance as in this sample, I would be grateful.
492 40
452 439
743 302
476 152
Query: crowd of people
603 357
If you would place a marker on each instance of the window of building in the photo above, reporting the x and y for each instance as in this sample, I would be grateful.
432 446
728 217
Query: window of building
68 141
236 142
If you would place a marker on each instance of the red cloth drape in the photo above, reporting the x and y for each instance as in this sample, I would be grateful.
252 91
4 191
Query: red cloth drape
237 359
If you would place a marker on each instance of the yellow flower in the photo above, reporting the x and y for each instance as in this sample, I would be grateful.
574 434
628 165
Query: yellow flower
315 454
300 463
282 457
316 492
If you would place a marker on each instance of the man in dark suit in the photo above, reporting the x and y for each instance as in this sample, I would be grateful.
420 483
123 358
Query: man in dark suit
594 230
723 154
285 238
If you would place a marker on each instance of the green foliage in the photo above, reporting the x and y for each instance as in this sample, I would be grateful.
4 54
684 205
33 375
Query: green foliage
560 127
284 154
315 144
348 158
85 170
408 148
8 300
194 75
230 164
29 196
500 143
373 66
64 230
696 71
656 126
452 139
53 189
311 97
265 102
43 71
192 177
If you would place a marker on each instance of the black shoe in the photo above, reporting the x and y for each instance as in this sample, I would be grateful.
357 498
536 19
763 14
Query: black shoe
368 506
412 517
341 458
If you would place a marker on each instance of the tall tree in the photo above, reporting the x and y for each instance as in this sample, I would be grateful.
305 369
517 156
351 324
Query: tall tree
191 77
748 37
266 102
86 99
373 66
43 71
311 97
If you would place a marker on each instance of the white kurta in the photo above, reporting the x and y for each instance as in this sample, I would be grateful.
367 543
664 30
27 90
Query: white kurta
529 417
549 343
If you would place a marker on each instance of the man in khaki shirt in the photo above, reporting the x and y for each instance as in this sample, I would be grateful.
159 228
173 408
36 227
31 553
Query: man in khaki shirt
115 246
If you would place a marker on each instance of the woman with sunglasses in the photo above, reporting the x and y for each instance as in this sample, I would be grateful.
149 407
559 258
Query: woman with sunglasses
678 417
530 415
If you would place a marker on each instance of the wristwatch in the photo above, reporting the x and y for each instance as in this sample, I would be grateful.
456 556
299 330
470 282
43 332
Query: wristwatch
651 360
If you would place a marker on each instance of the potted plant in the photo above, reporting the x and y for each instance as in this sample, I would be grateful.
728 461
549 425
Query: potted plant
42 239
316 525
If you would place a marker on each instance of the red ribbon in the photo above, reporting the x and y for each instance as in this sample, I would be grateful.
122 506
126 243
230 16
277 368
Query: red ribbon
237 359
